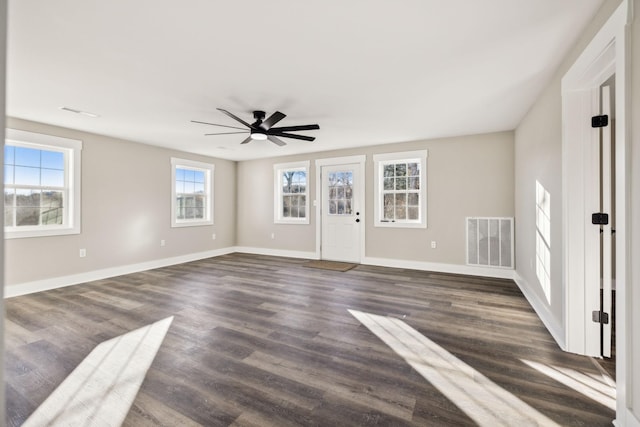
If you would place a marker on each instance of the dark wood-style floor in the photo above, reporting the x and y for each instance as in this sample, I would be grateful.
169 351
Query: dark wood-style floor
260 341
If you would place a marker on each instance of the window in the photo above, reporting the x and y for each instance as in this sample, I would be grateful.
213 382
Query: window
191 193
340 193
400 187
291 204
543 239
41 185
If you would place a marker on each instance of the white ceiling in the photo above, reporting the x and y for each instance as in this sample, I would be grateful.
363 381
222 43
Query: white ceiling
367 71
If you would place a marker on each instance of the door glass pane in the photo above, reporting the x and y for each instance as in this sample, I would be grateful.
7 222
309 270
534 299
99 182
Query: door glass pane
340 193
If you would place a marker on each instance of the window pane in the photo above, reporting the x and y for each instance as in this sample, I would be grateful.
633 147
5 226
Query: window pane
199 176
199 188
52 178
179 207
9 215
9 212
28 197
8 174
179 187
179 174
27 157
340 193
414 183
27 176
9 155
413 199
389 170
401 169
332 193
51 208
27 216
189 187
189 175
294 211
52 160
401 183
388 207
302 211
413 169
347 207
333 208
413 213
389 183
401 206
8 197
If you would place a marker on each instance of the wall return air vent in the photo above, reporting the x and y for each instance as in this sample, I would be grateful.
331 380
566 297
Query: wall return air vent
490 242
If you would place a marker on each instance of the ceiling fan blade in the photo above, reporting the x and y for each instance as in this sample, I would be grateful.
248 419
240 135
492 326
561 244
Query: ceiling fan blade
225 133
288 128
235 118
276 140
248 140
215 124
290 135
272 120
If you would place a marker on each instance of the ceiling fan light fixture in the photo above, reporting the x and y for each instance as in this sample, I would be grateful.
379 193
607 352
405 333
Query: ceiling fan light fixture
258 136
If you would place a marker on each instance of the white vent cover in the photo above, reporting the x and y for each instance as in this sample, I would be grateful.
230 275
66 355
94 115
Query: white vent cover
490 242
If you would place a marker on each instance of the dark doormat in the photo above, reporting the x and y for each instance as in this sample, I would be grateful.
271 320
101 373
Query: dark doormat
329 265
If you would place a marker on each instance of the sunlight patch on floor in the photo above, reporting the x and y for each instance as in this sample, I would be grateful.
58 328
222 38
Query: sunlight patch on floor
102 388
597 388
477 396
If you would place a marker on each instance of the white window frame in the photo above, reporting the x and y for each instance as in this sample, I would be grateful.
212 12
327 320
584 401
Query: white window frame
278 169
208 169
379 161
71 149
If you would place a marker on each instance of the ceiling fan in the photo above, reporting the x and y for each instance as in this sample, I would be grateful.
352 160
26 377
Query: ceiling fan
263 129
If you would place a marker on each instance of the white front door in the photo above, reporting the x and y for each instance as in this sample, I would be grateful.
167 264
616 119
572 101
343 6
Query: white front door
342 219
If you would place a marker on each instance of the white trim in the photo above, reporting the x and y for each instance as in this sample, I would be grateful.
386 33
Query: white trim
75 279
360 159
278 168
542 310
440 267
276 252
209 169
628 419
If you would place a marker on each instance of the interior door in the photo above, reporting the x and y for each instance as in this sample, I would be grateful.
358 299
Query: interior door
342 218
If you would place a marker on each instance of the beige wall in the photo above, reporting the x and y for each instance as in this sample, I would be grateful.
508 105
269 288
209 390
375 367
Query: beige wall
538 156
466 176
126 195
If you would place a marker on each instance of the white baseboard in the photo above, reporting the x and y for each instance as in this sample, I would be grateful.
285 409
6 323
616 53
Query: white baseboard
542 310
276 252
499 273
74 279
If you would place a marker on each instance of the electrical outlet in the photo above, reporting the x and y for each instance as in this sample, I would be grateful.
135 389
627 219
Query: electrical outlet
273 235
83 253
433 244
213 236
162 242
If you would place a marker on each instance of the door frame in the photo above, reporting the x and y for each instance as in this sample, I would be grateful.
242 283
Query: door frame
606 55
336 161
